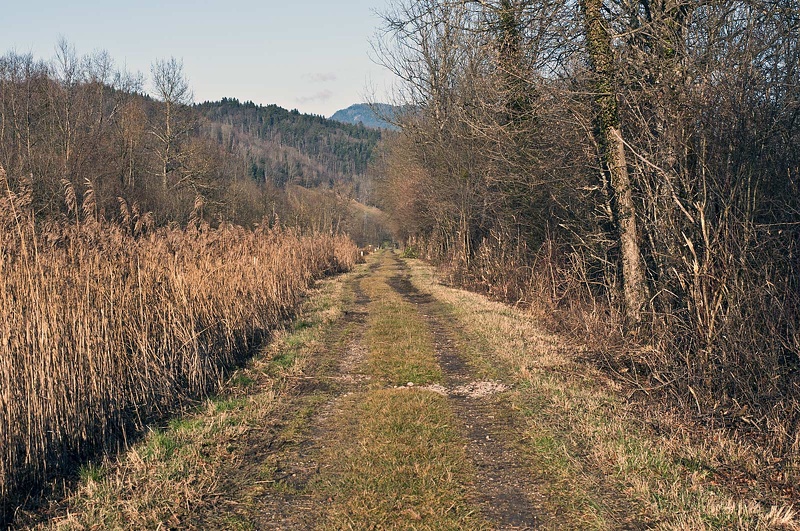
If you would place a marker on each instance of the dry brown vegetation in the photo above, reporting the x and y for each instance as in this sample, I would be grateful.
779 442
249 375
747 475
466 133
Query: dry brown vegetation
628 168
103 326
312 433
603 461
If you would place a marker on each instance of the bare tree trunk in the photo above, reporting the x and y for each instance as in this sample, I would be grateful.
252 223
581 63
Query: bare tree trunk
167 144
633 281
610 139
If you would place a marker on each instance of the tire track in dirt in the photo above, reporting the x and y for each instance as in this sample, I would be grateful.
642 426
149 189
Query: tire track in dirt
504 490
299 507
267 487
274 485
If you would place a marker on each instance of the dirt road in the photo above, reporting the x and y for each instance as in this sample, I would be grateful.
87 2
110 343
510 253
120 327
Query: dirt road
393 402
388 426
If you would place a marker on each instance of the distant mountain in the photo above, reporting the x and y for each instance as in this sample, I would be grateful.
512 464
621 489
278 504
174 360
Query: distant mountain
363 113
289 148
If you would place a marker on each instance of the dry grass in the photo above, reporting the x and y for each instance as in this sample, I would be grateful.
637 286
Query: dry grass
603 464
719 338
101 329
178 476
399 339
399 463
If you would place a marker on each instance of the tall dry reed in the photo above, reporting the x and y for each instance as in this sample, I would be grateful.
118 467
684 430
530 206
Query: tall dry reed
101 328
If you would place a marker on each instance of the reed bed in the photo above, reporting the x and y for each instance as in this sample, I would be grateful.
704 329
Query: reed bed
103 326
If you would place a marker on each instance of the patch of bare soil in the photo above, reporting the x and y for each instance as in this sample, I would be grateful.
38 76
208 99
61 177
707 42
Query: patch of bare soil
469 390
505 489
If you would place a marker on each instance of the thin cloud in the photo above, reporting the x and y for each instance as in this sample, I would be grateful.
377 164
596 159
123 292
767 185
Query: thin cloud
320 77
320 97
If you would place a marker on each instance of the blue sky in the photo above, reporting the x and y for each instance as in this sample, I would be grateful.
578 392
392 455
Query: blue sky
310 55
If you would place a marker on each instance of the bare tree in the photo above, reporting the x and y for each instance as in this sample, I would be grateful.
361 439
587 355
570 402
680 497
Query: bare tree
688 111
68 73
172 88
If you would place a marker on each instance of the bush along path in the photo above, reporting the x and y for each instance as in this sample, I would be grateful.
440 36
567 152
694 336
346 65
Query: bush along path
393 402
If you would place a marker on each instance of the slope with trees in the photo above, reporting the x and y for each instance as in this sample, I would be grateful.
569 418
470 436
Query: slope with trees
289 147
79 123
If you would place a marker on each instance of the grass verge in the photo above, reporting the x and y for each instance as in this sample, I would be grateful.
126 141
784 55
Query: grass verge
174 475
399 340
602 464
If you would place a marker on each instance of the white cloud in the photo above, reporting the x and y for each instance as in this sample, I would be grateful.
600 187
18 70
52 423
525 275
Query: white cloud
320 97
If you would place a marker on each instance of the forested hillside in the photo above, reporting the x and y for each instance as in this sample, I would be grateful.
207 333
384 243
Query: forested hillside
283 146
78 125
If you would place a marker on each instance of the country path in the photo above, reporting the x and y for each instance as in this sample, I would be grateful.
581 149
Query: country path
387 427
394 402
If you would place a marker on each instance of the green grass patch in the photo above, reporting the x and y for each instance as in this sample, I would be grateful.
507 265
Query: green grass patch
235 522
185 424
410 252
399 464
223 404
302 324
241 380
91 472
285 359
160 445
401 348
